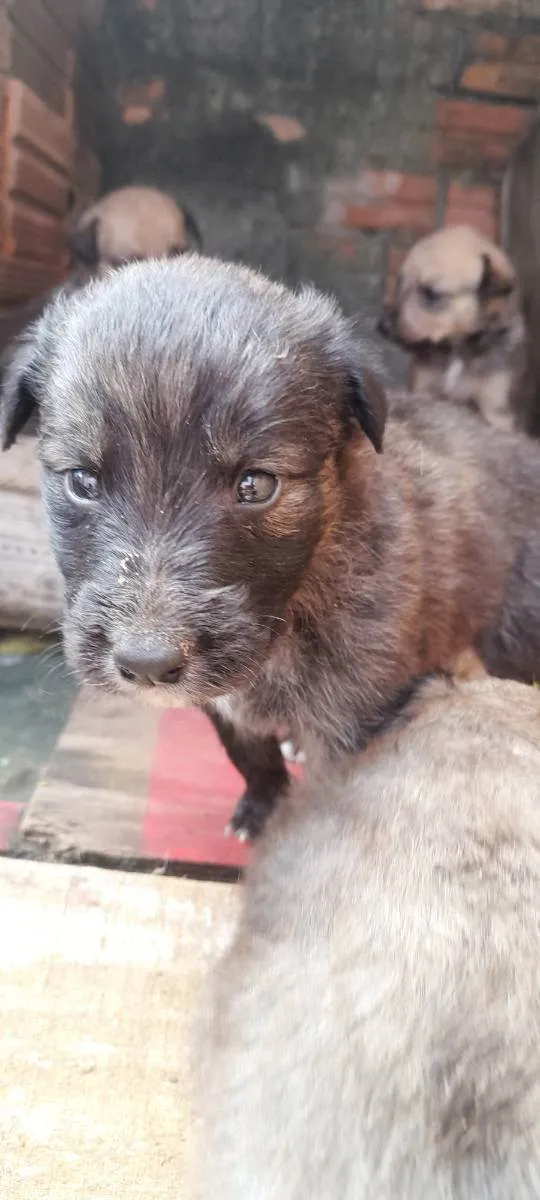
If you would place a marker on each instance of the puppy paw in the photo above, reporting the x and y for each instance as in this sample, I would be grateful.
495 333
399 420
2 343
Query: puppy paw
251 814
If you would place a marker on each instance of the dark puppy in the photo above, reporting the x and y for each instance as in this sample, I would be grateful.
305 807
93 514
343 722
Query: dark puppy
457 313
374 1031
230 534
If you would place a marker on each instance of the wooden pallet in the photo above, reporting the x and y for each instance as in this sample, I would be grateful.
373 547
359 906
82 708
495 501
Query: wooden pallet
129 784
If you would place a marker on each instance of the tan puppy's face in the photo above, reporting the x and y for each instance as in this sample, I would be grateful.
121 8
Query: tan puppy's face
129 225
452 284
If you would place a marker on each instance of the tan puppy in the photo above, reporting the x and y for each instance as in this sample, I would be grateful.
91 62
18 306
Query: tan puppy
126 225
374 1032
457 313
129 224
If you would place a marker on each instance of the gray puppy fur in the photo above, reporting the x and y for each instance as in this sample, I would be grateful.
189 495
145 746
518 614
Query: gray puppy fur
374 1031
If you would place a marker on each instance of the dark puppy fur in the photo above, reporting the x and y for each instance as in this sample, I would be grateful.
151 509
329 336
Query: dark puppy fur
374 1031
231 535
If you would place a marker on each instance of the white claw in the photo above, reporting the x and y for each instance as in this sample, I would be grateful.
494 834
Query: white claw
290 752
242 835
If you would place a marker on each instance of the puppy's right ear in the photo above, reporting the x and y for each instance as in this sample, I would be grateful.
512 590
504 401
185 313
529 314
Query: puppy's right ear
83 243
19 384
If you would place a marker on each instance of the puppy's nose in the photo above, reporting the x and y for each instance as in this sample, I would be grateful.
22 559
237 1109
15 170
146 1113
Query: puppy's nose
150 660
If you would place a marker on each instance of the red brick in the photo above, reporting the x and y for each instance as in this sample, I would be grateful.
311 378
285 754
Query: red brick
381 200
467 6
389 214
483 219
514 79
136 114
146 93
471 150
20 279
492 45
462 195
29 121
470 116
527 49
369 185
476 206
31 234
283 128
29 177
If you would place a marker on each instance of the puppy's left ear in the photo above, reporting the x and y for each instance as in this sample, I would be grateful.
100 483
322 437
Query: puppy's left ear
19 385
367 403
498 275
83 243
192 229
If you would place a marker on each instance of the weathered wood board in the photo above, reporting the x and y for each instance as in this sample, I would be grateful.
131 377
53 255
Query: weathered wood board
127 782
30 583
101 976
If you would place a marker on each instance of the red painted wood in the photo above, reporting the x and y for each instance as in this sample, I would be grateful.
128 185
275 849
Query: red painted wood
192 791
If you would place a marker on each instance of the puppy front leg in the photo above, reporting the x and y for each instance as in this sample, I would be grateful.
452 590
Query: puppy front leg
260 761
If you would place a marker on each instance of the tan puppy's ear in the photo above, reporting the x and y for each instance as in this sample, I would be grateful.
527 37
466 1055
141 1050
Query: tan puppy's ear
83 243
498 275
192 229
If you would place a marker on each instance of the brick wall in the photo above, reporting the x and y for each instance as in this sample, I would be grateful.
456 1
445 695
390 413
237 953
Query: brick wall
44 163
319 139
314 138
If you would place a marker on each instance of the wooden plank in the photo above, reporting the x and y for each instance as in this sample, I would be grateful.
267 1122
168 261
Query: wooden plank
29 178
32 17
31 122
21 279
101 983
65 13
30 66
19 470
30 585
33 234
136 783
92 797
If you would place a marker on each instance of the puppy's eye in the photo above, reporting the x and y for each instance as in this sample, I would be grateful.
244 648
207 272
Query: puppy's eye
82 486
256 487
429 295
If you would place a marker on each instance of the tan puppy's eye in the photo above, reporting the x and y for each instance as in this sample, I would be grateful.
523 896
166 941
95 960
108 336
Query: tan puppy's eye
257 487
429 296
